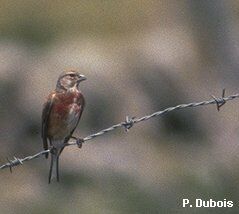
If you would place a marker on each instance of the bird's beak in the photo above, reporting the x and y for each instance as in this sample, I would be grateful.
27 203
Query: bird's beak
81 78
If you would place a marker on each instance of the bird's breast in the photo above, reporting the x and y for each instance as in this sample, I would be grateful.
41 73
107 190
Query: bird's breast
67 103
65 114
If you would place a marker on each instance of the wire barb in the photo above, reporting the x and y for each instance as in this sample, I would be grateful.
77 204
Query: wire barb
11 163
220 101
127 124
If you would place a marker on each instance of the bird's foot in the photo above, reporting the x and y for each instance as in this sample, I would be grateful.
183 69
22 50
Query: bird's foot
79 142
53 150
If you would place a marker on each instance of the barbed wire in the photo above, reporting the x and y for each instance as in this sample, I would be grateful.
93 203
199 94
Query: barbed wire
127 124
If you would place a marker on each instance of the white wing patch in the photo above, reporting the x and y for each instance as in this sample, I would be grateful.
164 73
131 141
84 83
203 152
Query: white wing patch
73 116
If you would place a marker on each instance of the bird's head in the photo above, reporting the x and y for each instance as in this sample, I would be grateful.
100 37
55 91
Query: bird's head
69 79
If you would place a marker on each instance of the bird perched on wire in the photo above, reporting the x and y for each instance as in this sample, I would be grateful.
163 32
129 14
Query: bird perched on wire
60 117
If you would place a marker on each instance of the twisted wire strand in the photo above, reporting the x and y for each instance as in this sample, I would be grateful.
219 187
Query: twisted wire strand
126 125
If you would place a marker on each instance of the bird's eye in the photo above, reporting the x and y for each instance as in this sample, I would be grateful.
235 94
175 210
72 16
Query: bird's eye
71 75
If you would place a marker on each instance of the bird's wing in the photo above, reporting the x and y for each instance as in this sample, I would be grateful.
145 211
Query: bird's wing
45 117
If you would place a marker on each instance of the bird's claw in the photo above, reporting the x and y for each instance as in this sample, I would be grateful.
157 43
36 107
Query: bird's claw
79 142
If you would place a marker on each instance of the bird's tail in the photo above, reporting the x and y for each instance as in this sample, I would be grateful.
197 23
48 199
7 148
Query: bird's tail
54 168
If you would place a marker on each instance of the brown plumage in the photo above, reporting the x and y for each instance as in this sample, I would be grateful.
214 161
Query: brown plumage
60 117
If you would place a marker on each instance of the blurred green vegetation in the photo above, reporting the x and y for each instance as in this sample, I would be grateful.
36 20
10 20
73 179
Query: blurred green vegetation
41 22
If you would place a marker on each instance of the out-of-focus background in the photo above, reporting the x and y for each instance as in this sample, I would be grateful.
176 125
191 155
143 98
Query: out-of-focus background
139 57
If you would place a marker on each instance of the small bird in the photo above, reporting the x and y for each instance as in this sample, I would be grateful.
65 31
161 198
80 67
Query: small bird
60 117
